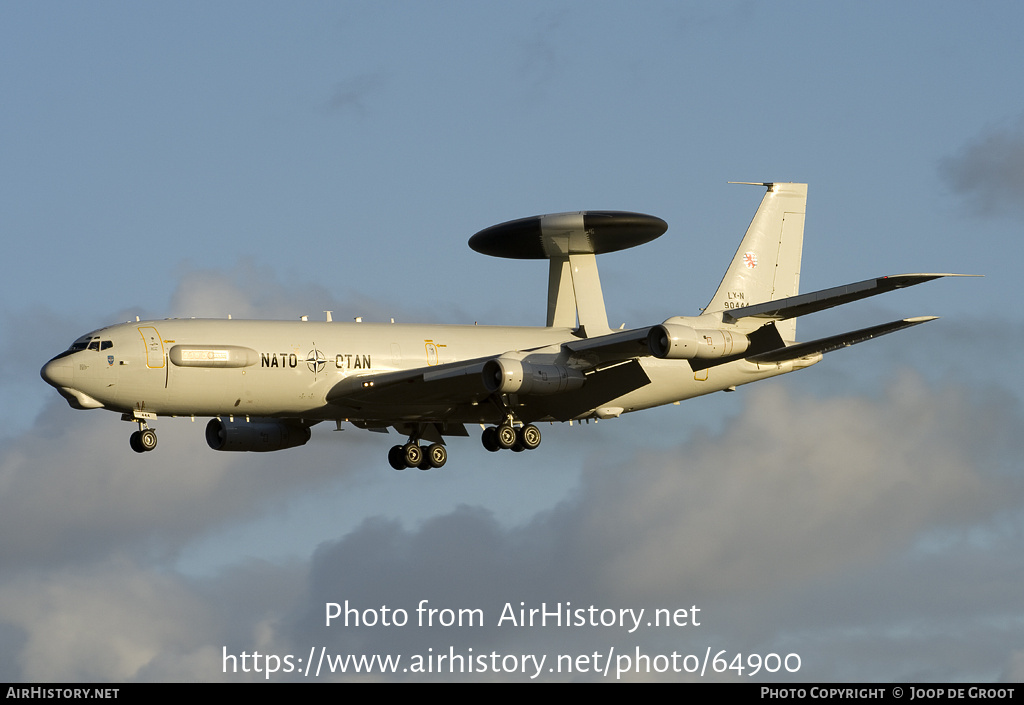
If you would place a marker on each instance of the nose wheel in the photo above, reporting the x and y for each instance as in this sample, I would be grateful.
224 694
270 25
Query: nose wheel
143 440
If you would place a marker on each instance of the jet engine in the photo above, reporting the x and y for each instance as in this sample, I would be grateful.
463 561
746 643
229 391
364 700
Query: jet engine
507 375
262 435
672 341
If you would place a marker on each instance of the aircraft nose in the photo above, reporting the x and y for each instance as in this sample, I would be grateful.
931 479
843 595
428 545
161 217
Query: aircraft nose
57 373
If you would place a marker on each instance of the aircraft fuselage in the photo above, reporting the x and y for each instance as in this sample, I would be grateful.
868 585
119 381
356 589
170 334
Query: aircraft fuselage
209 367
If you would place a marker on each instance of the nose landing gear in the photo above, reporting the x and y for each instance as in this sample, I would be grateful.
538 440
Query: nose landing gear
143 440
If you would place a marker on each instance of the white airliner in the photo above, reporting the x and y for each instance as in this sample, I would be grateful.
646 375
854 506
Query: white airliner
265 383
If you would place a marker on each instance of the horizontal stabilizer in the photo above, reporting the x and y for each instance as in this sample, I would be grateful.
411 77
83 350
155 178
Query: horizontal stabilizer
835 342
804 304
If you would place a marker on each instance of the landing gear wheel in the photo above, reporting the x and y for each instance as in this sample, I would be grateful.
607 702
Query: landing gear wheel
135 442
147 439
396 457
413 455
490 439
529 436
506 436
437 455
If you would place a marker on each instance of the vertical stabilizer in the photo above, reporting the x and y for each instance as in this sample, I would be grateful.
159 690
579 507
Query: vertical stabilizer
767 264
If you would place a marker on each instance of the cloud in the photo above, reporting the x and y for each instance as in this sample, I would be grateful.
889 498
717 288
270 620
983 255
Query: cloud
253 291
876 535
350 95
247 290
106 621
824 520
792 502
830 467
540 60
73 492
1014 672
988 172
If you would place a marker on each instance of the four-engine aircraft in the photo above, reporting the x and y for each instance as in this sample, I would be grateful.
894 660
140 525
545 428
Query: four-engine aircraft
265 383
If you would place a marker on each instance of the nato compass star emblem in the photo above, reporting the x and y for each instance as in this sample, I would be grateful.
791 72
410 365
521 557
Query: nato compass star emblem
750 260
316 361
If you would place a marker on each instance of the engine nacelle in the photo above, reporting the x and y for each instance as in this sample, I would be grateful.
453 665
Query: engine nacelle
262 435
506 375
672 341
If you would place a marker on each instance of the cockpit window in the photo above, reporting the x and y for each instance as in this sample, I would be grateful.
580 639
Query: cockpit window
90 344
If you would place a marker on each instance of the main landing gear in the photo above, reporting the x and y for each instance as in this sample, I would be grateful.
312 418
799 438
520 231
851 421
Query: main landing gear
511 434
412 455
506 436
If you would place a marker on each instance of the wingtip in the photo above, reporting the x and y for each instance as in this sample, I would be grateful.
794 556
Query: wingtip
934 275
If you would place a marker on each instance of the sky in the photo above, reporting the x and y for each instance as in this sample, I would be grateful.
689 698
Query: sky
272 160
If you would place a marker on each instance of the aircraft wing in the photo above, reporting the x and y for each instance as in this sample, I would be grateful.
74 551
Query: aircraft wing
603 384
455 393
835 342
620 345
452 382
801 305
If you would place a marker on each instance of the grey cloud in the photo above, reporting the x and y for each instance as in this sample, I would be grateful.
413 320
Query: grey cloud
829 467
790 505
540 59
350 95
852 528
988 172
1014 671
811 525
74 492
104 622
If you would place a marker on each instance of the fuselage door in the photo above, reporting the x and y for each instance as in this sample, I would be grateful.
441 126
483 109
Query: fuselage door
154 347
